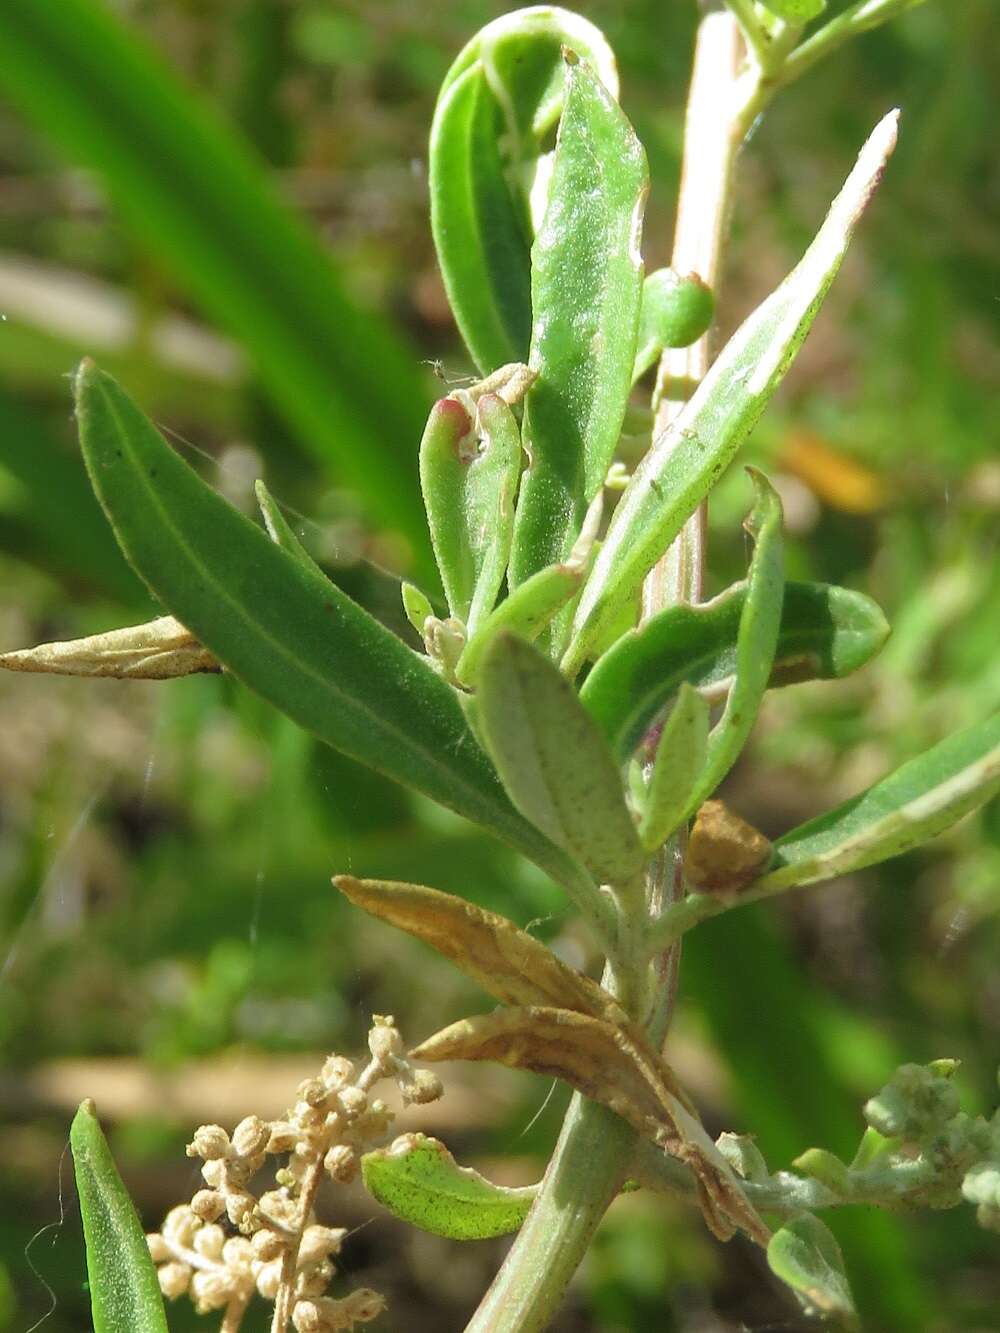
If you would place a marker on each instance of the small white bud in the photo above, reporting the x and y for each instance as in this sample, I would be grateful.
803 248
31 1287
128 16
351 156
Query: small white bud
210 1291
318 1242
268 1279
159 1250
208 1205
283 1137
210 1142
180 1225
174 1280
314 1092
267 1244
250 1136
209 1242
214 1173
342 1163
351 1102
314 1279
275 1206
337 1072
239 1204
237 1254
422 1087
386 1046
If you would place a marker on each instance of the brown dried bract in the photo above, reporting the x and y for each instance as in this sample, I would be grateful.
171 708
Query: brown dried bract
607 1064
158 650
724 853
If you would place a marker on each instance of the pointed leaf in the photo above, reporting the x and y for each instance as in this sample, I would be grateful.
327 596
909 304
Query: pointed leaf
586 287
680 758
507 962
417 607
124 1291
554 761
283 628
420 1182
158 650
825 633
280 530
469 473
805 1255
910 806
795 11
675 312
691 454
756 642
607 1065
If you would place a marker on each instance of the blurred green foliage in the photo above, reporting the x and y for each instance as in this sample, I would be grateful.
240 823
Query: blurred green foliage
165 851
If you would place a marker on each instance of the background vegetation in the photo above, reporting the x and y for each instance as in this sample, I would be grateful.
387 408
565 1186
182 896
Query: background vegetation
169 942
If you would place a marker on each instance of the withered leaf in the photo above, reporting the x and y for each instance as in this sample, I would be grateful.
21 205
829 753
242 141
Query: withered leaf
157 650
724 853
607 1064
505 960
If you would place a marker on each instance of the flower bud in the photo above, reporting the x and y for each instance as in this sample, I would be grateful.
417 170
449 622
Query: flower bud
424 1086
237 1254
174 1279
351 1102
210 1142
180 1225
239 1205
337 1072
159 1250
267 1244
386 1046
250 1136
268 1279
210 1291
318 1242
283 1137
208 1205
209 1242
342 1163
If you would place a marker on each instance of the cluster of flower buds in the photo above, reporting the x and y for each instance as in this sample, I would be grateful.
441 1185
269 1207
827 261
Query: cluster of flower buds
228 1242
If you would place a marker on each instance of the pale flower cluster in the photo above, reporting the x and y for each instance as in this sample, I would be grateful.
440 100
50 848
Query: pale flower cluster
230 1243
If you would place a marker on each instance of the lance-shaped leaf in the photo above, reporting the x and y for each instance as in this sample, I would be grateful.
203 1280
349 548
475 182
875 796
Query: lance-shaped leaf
680 758
507 962
282 627
553 760
469 473
825 633
124 1291
157 650
607 1065
280 530
536 602
795 11
499 100
756 642
689 457
805 1255
915 803
675 312
417 1180
586 287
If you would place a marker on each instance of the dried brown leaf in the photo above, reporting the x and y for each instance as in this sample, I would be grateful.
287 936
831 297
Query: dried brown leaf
158 650
724 853
609 1065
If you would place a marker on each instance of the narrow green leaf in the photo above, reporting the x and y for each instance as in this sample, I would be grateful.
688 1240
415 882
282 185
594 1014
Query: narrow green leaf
554 762
825 633
689 457
480 232
193 194
124 1291
675 312
279 529
756 642
469 471
281 626
915 803
795 11
526 612
419 1181
586 288
417 607
680 758
805 1255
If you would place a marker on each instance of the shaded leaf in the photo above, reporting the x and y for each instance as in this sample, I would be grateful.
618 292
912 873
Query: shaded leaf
280 530
795 11
282 627
124 1291
193 194
915 803
680 757
805 1255
507 962
420 1182
605 1064
553 760
825 632
586 286
158 650
689 457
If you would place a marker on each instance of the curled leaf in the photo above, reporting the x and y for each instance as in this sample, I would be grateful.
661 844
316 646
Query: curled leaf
507 962
680 758
157 650
608 1065
417 1180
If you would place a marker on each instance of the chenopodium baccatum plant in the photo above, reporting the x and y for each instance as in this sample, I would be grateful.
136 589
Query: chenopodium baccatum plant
575 698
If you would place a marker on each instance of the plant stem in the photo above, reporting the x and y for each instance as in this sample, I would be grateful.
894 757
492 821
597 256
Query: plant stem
590 1160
